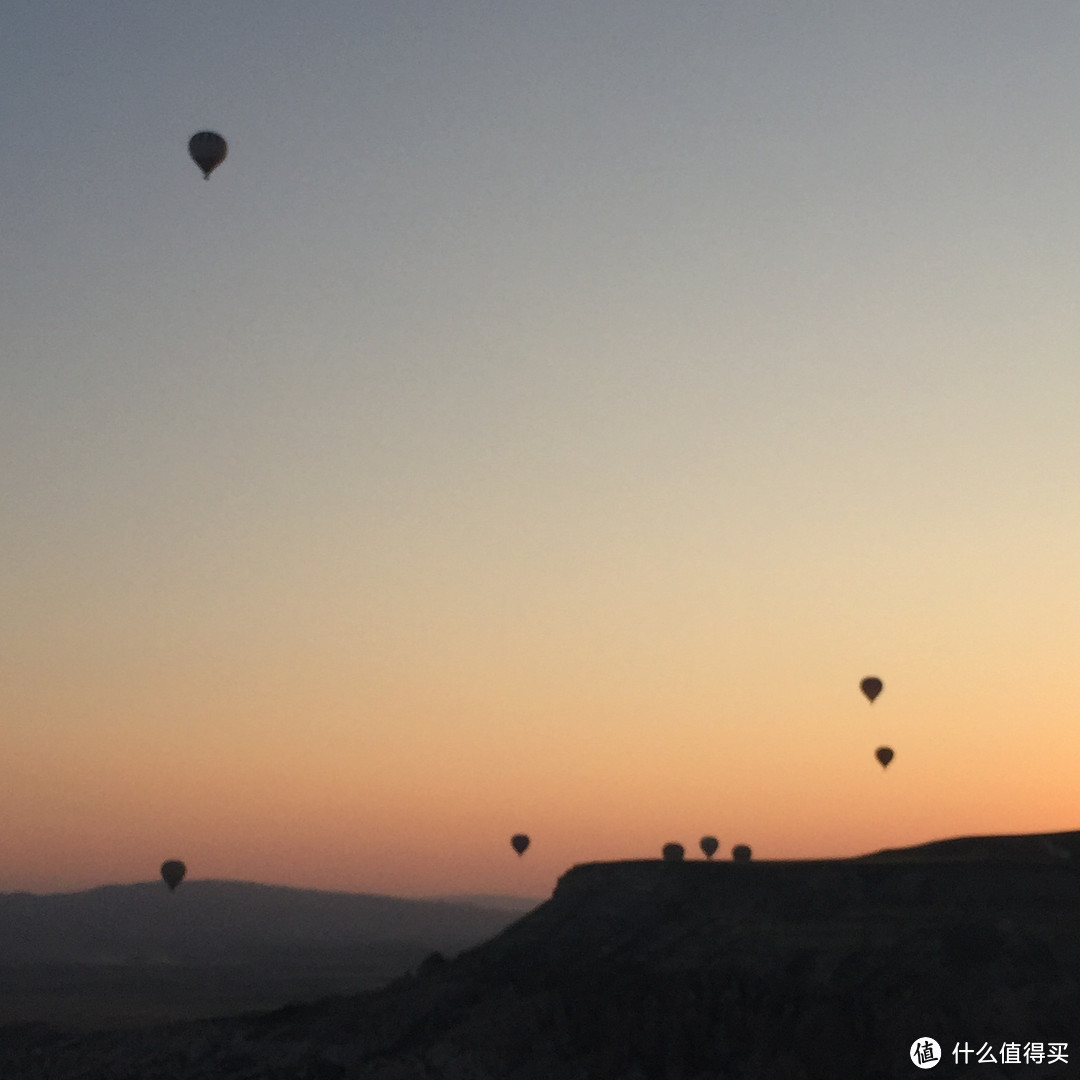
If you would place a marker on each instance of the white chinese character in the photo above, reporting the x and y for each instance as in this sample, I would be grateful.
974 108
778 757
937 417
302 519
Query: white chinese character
1057 1053
1033 1053
986 1055
1010 1053
925 1052
956 1052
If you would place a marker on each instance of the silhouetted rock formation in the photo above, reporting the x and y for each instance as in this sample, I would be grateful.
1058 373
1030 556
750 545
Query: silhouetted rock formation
817 970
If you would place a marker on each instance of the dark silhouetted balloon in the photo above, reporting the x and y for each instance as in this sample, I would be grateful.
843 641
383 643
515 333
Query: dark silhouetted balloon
871 686
207 150
673 852
173 872
519 843
741 853
884 754
709 844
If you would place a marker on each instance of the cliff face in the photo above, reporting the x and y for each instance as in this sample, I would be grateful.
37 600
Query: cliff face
762 971
805 969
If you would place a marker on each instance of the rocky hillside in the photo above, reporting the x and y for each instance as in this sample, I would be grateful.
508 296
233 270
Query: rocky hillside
687 971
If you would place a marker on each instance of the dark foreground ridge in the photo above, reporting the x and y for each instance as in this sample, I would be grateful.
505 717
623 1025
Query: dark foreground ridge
815 970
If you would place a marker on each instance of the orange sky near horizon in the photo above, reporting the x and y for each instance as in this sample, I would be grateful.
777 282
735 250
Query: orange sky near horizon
287 782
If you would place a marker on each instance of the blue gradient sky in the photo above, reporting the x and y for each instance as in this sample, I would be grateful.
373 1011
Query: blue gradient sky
540 422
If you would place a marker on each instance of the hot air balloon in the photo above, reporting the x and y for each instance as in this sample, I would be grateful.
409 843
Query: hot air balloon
741 853
673 852
871 686
519 843
207 150
709 844
173 872
884 754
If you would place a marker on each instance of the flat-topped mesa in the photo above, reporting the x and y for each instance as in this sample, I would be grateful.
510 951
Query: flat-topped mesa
698 915
995 871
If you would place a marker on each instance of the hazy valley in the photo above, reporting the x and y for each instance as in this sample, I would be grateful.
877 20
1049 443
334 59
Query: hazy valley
123 954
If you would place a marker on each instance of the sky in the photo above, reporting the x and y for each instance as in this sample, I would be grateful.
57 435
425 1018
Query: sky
541 422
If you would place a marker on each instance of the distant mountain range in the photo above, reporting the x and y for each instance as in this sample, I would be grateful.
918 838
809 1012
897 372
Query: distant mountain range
209 920
694 970
123 953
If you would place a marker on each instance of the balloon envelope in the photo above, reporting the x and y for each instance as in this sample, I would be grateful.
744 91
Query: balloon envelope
884 754
871 686
709 844
519 843
207 150
741 853
673 852
173 872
